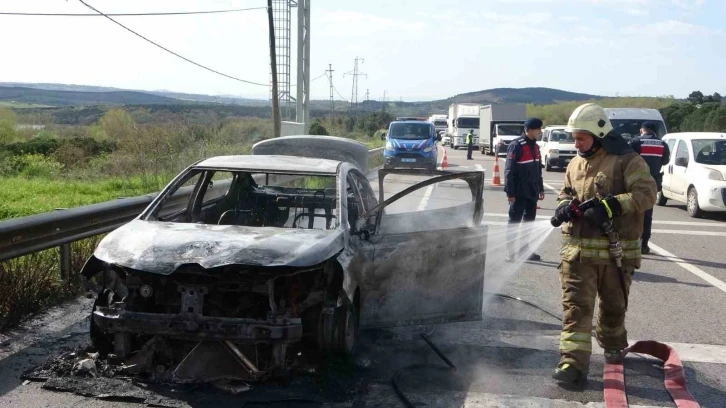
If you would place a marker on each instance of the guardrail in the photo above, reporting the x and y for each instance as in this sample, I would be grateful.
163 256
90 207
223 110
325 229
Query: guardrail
60 228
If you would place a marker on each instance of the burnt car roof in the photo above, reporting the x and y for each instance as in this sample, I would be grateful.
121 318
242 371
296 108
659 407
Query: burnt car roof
272 163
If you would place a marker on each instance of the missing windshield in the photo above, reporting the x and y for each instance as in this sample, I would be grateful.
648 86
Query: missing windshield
252 200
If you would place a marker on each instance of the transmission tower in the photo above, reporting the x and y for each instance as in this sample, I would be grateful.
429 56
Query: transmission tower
281 15
368 96
329 71
356 73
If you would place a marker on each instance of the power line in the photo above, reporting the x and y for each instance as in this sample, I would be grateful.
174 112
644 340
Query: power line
172 52
336 91
172 13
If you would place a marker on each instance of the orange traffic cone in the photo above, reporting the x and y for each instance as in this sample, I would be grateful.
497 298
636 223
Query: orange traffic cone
496 181
445 160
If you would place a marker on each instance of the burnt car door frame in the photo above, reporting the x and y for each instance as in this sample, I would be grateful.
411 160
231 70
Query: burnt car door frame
423 276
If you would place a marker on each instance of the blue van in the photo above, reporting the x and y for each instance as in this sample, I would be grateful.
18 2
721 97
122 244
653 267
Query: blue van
411 144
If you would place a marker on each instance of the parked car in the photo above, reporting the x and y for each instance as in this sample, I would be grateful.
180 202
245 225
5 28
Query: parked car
696 173
256 253
557 147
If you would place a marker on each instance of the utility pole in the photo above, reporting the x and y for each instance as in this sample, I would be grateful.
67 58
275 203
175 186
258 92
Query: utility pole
276 118
368 96
356 73
329 72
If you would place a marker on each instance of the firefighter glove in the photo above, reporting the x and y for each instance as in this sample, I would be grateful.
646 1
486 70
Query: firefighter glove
604 211
564 212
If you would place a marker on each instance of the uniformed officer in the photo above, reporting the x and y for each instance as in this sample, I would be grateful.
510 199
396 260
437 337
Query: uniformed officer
523 182
605 167
469 144
656 153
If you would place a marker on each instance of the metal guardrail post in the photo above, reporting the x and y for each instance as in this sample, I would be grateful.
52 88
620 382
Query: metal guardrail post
66 266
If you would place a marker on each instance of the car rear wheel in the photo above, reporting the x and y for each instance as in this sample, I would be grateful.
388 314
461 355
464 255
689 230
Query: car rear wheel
692 204
660 199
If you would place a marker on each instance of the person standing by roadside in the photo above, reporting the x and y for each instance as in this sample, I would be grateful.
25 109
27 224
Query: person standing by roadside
469 144
523 182
656 154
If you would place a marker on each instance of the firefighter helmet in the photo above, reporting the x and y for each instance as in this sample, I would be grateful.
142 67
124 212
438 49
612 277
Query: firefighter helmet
590 118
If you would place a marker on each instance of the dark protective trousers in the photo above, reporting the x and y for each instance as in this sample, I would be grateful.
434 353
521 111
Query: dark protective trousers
581 284
522 209
647 225
469 149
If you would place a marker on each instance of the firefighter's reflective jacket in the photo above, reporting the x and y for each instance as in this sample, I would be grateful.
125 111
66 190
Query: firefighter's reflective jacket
627 177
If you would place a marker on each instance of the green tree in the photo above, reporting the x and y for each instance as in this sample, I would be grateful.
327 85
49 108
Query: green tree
695 97
675 114
7 131
9 115
696 121
119 125
716 120
316 128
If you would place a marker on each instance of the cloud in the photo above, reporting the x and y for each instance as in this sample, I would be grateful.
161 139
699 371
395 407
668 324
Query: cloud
669 28
636 12
689 4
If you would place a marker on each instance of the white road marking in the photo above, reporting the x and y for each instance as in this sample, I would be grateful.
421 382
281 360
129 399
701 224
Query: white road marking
684 232
479 167
556 190
691 224
469 333
690 268
425 198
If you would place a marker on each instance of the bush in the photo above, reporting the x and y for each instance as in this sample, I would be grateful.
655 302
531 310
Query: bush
35 165
317 129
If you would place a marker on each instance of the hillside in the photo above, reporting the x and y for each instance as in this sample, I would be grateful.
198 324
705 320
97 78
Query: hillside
520 95
74 98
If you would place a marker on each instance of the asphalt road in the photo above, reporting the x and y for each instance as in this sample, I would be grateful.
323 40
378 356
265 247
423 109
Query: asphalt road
506 359
509 356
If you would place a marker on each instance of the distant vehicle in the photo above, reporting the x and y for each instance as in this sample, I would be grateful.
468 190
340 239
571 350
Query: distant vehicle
440 123
627 121
557 147
412 144
696 173
500 125
462 118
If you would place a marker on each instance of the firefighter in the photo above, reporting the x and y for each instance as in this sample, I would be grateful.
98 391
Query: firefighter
523 182
656 153
469 144
607 167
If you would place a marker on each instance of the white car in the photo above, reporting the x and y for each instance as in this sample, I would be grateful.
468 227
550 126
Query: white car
696 173
557 147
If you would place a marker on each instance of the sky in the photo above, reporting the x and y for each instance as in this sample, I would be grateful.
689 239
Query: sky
411 49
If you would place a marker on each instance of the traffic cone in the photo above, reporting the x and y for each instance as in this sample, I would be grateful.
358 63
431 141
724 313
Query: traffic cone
496 181
445 160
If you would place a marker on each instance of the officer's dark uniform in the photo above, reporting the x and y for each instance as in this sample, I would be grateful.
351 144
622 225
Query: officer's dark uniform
523 181
656 153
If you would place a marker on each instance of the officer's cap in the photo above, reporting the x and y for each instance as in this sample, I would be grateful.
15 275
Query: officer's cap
533 123
649 126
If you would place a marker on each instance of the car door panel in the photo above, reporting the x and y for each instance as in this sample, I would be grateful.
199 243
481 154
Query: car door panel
424 267
678 182
668 168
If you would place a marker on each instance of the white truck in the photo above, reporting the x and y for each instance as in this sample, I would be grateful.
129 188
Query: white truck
462 118
500 125
440 124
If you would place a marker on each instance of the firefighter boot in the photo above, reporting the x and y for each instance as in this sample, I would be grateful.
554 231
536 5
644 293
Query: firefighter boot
613 356
567 373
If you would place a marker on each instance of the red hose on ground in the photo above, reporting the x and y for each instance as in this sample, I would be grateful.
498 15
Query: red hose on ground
674 382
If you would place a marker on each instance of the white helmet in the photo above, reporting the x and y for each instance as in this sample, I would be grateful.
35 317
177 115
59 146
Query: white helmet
590 118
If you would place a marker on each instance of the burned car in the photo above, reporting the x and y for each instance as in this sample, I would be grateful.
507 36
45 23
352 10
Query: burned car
242 257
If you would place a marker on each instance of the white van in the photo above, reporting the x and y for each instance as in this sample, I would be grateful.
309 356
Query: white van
627 121
557 147
696 173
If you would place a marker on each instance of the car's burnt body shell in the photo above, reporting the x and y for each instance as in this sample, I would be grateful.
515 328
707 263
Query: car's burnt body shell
366 271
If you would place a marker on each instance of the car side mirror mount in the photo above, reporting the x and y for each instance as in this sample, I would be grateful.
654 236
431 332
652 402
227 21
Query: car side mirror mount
682 161
383 136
